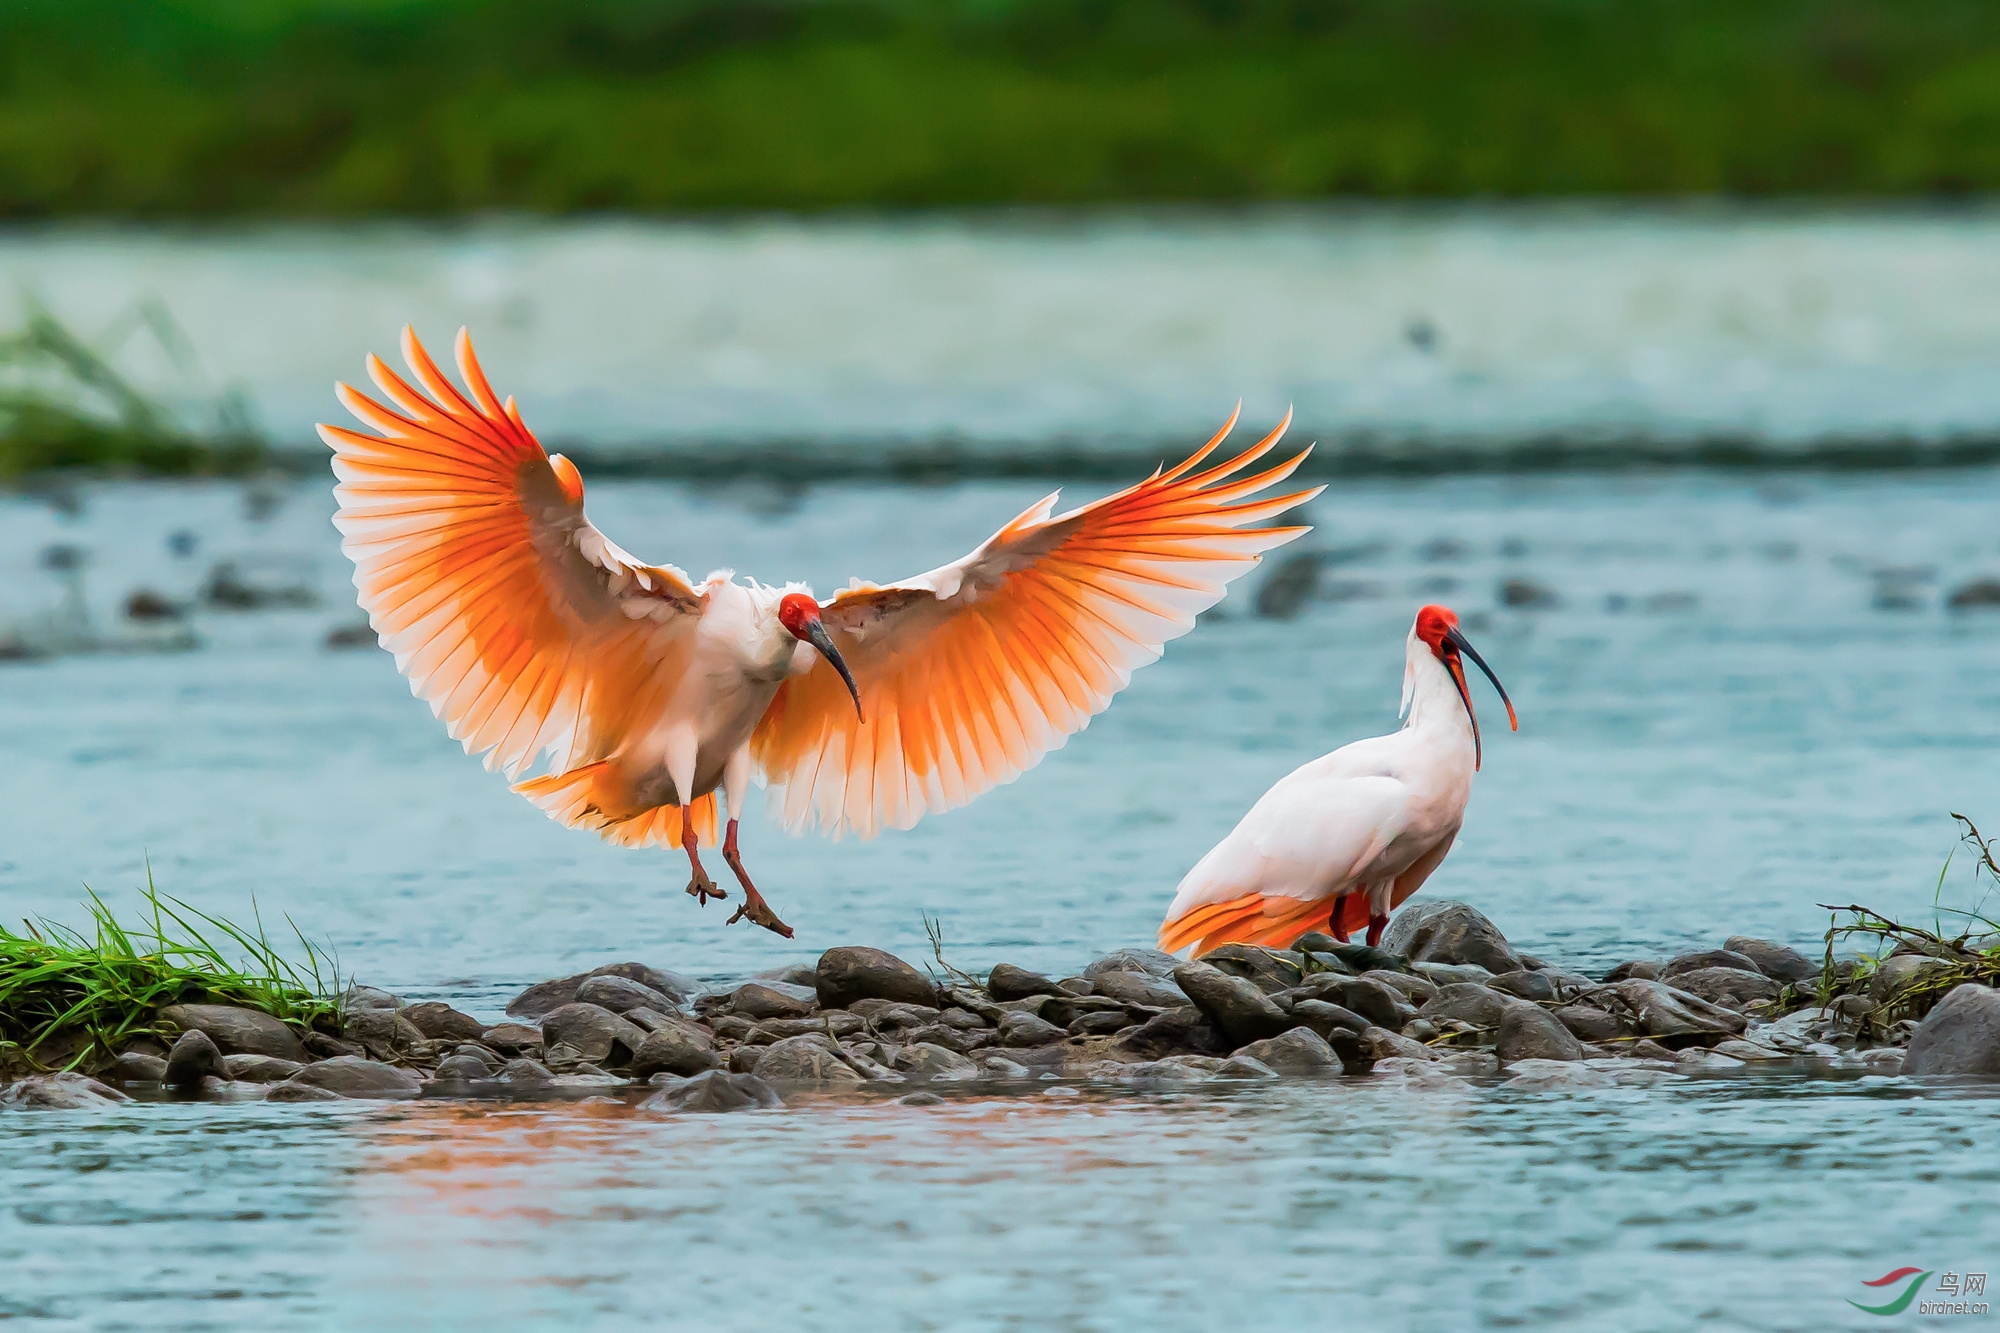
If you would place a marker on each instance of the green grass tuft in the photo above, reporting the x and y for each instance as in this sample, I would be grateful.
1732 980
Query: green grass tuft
70 998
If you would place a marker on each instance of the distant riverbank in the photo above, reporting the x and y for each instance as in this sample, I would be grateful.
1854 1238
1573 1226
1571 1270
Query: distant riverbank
321 108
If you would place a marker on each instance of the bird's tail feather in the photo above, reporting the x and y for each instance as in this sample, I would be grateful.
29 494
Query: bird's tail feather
592 797
1270 921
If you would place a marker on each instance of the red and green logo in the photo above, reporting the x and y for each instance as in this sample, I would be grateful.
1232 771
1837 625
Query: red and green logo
1901 1303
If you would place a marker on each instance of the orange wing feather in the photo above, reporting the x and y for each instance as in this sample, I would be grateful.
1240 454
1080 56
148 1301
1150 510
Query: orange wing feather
969 674
525 629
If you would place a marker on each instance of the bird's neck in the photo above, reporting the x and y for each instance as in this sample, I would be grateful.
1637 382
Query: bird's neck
1434 703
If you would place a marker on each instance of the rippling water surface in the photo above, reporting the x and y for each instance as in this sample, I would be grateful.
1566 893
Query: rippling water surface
1748 697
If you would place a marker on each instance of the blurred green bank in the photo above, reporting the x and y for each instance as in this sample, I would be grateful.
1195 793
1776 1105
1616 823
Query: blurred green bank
197 108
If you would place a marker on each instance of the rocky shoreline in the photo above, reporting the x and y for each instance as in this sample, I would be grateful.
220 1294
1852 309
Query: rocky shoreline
1446 999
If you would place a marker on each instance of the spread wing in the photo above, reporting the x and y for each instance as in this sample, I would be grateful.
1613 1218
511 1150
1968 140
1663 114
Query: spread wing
525 628
971 673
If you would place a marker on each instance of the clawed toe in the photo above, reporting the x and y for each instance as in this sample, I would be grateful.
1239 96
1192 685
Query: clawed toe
759 913
701 888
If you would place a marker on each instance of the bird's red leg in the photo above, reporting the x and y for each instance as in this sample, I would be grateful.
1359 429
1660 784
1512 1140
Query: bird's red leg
754 908
1333 923
701 888
1375 927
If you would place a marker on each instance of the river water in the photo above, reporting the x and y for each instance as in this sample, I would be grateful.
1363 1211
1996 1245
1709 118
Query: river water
1742 694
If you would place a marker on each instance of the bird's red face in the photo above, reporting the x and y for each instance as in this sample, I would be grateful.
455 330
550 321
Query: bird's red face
799 614
1437 627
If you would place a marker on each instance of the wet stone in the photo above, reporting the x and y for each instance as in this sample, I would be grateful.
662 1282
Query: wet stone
1382 1044
259 1068
1100 1024
596 1034
462 1069
523 1070
835 1023
137 1067
1776 961
951 1038
852 972
440 1022
1324 1017
237 1031
1416 989
1140 988
383 1033
920 1099
927 1060
546 996
1238 1008
1065 1010
1377 1001
680 1048
1076 986
1243 1068
1960 1035
1659 1010
757 1000
1639 969
352 1077
59 1092
512 1038
1467 1002
1186 1030
193 1058
619 994
1300 1053
1001 1068
1730 987
1536 986
1027 1030
1269 970
1007 982
1528 1032
1701 958
1353 957
1588 1024
1150 962
1445 931
715 1091
1452 974
358 997
808 1059
293 1091
744 1059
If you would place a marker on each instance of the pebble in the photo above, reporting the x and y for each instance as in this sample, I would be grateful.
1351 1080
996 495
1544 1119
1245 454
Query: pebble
350 1076
1028 1030
1150 962
1007 982
1445 931
259 1068
853 972
1528 1032
715 1091
757 1000
462 1069
595 1033
237 1030
1776 961
1238 1009
193 1058
678 1048
1299 1053
137 1067
512 1038
806 1059
440 1022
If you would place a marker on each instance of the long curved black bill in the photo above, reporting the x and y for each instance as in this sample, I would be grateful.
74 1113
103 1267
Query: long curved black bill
1458 641
816 632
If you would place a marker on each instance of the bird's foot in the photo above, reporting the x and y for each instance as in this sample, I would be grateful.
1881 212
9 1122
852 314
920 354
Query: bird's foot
701 888
758 913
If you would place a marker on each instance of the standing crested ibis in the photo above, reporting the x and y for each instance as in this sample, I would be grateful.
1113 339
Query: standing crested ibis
1348 837
532 635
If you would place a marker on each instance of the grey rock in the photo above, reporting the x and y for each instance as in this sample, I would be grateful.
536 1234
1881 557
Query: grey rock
1747 1050
323 1047
650 1020
1007 982
481 1053
715 1091
1466 1002
1270 970
1658 1010
1151 962
462 1069
1001 1068
1062 1010
1730 987
1536 986
59 1092
974 1002
1178 1031
237 1031
1021 1030
547 996
1375 1000
678 1048
1960 1035
868 1066
259 1068
1382 1044
1899 973
1352 957
137 1067
1240 1011
951 1038
1141 988
291 1090
809 1059
852 972
1700 958
928 1060
1075 986
1555 1076
620 994
596 1034
1452 974
889 1016
1886 1061
383 1033
758 1000
1324 1017
835 1023
523 1070
744 1059
512 1038
351 1076
920 1099
1776 961
357 997
1243 1067
1639 969
1588 1024
193 1058
971 1022
1529 1032
1416 989
440 1022
1975 595
1101 1024
1300 1053
1444 931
